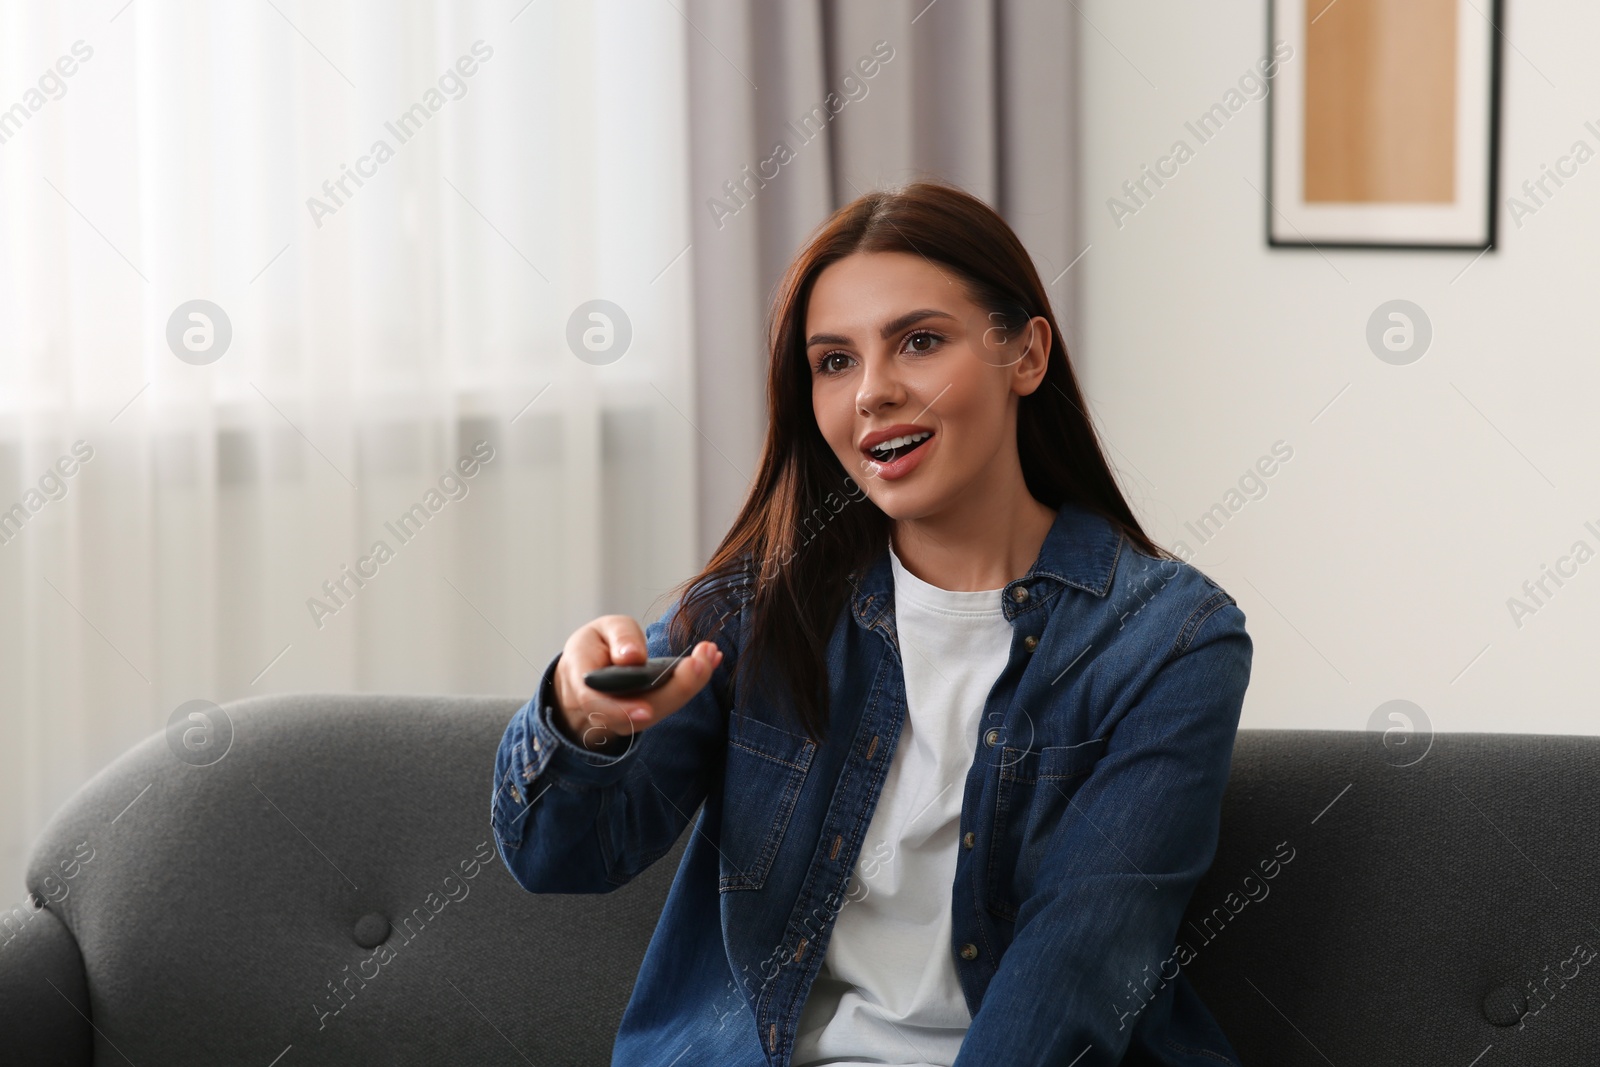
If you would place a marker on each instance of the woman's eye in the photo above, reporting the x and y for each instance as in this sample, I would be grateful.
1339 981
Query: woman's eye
923 335
826 364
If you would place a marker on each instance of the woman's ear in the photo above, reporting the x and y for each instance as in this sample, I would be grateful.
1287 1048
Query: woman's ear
1028 371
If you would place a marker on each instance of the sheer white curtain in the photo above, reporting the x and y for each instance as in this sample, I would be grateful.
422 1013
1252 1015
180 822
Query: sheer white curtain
533 161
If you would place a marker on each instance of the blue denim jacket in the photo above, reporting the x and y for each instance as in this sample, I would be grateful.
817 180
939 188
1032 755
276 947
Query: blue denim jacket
1090 812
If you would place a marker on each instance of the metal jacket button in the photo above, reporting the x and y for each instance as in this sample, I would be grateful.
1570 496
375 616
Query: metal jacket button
968 839
1019 594
992 738
1030 642
969 951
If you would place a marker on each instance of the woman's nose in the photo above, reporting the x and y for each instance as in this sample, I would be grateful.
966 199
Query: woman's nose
880 384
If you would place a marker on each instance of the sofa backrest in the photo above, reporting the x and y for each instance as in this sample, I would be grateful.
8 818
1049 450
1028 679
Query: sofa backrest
1439 905
228 911
1357 911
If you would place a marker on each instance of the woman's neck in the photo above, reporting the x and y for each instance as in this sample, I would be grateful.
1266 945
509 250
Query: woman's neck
991 539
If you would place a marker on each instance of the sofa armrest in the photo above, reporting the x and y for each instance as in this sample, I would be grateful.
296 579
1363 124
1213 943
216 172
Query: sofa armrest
44 992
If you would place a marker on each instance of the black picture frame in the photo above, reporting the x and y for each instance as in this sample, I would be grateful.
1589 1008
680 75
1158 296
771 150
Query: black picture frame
1492 162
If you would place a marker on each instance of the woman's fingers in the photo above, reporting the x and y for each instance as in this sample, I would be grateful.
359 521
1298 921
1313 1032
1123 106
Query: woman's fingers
623 640
592 716
688 678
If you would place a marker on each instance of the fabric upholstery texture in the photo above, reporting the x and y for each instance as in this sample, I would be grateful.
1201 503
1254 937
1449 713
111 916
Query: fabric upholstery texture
44 994
1357 912
216 910
1432 884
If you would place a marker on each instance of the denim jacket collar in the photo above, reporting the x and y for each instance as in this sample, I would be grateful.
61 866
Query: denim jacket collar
1080 551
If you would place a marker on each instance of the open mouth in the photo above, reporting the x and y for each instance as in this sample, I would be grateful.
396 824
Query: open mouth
892 449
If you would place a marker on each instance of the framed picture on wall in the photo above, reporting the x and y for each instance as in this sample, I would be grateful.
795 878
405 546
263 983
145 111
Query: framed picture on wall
1383 123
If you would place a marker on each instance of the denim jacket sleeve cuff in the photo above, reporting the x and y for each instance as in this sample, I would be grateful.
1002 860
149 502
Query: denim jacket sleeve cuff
563 759
531 749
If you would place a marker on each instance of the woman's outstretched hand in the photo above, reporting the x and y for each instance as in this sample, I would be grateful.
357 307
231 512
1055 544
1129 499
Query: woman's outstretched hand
592 718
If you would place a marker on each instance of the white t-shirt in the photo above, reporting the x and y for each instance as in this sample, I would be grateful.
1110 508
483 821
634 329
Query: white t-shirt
887 991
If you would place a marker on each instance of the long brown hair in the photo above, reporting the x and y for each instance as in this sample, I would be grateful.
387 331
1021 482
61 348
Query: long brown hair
806 525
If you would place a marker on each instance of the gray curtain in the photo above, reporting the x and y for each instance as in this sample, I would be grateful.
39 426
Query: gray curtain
977 92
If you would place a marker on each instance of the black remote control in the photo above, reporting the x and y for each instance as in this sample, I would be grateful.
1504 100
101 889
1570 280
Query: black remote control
626 680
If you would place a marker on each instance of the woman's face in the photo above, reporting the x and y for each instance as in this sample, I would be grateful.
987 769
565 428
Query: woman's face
898 350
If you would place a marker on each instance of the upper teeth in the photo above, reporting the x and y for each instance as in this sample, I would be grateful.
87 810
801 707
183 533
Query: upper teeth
896 442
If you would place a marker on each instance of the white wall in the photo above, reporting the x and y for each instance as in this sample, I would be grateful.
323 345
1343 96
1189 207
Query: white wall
1379 563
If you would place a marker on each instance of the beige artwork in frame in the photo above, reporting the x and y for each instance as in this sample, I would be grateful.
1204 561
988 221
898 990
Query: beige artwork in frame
1383 124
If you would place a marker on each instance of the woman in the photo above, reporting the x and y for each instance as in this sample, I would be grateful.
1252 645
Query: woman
960 729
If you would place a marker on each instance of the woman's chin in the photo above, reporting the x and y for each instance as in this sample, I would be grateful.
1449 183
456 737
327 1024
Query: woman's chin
904 503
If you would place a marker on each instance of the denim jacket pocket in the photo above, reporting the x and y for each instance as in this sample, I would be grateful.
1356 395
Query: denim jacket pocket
766 769
1036 785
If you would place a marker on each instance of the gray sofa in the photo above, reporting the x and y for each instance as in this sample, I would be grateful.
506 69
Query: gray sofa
205 911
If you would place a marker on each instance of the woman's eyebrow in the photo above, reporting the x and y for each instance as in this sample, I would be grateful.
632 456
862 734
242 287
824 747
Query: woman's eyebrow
889 328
